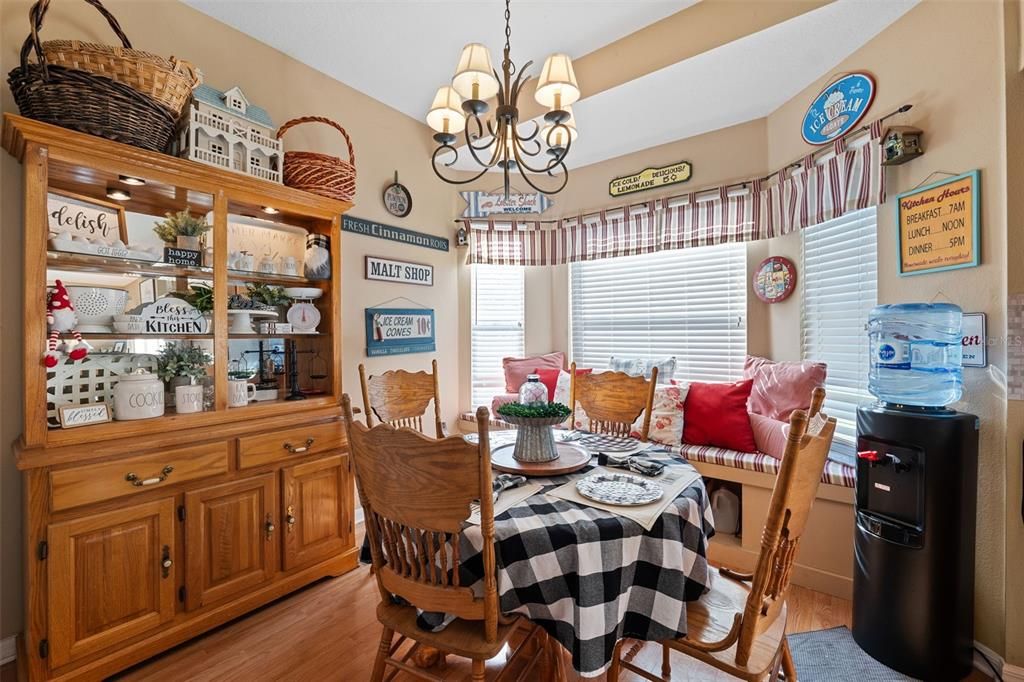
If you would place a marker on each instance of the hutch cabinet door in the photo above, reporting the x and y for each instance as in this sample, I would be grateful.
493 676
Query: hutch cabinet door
317 509
230 538
110 577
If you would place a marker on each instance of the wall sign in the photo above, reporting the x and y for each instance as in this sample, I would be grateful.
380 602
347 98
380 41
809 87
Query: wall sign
939 226
392 233
774 279
651 178
975 340
264 238
71 416
87 218
838 108
168 316
388 270
397 199
484 204
184 257
398 331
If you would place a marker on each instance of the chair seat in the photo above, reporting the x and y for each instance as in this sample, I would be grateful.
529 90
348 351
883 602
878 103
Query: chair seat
461 637
710 619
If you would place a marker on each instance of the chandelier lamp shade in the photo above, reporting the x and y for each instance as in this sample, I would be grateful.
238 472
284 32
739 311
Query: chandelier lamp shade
500 141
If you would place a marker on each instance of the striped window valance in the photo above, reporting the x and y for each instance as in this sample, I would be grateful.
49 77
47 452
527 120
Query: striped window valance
849 178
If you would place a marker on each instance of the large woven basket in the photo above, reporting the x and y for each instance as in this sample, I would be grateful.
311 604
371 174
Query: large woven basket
83 101
322 174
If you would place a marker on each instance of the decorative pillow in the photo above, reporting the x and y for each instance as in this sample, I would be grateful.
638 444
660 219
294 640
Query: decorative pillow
716 414
517 369
781 387
666 415
640 367
549 377
502 399
769 435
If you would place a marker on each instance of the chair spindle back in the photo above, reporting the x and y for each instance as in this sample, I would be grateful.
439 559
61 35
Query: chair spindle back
613 400
400 398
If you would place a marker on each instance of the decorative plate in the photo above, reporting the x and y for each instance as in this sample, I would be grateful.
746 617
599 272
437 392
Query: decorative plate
621 489
596 442
397 199
304 317
774 279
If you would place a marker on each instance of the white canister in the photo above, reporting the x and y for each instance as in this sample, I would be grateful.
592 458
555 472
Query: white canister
139 395
188 399
289 266
240 392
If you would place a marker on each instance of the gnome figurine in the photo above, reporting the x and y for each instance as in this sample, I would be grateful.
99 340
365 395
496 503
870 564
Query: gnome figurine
61 318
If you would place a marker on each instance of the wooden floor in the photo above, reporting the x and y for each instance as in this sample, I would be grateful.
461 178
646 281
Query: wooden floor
329 631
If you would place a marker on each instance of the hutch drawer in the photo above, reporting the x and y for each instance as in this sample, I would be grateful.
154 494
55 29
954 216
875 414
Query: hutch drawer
97 482
283 444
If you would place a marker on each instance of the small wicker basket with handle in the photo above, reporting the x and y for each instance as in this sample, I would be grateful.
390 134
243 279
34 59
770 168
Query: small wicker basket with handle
168 81
322 174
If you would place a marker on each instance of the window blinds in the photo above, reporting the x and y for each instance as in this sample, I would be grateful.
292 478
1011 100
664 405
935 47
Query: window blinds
839 289
497 332
689 303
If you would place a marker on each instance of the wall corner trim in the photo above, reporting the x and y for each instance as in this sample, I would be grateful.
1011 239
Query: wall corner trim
9 649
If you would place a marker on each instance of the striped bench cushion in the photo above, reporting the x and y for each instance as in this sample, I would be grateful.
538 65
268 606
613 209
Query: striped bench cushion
835 473
493 423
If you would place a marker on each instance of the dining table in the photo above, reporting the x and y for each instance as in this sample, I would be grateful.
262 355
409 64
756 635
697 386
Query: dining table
590 576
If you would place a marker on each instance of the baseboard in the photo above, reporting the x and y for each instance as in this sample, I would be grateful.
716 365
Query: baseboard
1008 672
8 649
1012 673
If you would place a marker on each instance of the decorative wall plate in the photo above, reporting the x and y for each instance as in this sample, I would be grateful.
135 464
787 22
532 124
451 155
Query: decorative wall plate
774 279
397 198
619 489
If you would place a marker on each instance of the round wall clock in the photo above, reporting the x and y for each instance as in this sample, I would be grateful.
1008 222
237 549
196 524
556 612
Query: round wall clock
397 199
774 279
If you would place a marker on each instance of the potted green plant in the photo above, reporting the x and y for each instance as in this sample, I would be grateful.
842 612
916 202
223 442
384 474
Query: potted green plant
535 441
200 296
179 364
182 229
266 297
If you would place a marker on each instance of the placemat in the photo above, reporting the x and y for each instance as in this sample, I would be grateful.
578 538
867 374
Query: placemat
674 480
507 500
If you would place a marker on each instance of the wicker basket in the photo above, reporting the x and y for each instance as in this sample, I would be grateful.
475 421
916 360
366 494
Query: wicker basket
322 174
84 101
168 81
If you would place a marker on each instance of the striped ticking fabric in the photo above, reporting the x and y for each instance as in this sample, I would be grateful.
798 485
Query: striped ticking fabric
849 179
835 473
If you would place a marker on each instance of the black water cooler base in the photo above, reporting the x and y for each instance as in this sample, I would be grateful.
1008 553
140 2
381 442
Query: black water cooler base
913 581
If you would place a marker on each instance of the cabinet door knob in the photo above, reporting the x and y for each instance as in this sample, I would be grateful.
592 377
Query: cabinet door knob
269 527
290 517
165 561
300 449
138 483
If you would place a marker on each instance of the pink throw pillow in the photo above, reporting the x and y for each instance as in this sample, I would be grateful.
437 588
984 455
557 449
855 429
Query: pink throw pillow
517 369
781 387
769 435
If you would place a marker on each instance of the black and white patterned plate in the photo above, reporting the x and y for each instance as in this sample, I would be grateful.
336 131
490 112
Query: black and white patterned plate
596 442
620 489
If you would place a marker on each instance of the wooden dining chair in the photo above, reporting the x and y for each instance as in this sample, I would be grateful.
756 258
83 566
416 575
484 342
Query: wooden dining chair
739 626
416 494
612 401
400 398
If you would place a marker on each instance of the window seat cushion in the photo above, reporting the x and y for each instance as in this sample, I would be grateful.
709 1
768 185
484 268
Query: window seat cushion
835 473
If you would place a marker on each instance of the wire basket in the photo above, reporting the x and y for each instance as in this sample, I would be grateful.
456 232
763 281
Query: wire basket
322 174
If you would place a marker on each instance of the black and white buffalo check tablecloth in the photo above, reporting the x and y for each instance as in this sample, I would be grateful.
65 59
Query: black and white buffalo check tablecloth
590 577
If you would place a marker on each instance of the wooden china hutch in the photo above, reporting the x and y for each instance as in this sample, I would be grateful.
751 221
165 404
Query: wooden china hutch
140 534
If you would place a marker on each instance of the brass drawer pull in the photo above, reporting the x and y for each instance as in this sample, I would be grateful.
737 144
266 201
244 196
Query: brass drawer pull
298 450
289 517
269 527
137 482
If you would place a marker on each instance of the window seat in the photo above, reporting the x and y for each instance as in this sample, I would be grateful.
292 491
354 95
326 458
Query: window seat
835 473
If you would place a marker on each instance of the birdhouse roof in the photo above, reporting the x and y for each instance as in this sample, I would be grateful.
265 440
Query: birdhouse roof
214 97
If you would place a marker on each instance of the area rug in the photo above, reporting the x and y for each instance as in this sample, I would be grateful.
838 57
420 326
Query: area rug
833 656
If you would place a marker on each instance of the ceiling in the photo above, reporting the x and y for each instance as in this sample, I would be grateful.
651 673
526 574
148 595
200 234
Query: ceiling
707 73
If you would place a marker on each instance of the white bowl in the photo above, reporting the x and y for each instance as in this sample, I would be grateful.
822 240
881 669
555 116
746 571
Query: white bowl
95 307
129 327
128 318
303 293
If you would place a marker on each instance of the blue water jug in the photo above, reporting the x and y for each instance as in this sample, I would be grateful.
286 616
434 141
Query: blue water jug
916 353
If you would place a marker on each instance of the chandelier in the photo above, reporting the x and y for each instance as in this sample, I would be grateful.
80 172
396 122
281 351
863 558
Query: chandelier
462 106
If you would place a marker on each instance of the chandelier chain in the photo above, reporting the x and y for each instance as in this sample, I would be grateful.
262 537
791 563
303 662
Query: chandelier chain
506 63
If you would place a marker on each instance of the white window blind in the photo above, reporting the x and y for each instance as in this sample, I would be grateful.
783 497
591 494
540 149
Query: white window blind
839 289
498 313
687 303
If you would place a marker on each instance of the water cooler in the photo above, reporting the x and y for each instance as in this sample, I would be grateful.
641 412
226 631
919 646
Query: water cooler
913 581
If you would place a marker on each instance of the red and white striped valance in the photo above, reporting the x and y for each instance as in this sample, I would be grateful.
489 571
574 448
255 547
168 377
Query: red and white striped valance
849 179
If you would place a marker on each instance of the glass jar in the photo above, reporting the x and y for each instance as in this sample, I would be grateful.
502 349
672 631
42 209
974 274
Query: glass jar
533 392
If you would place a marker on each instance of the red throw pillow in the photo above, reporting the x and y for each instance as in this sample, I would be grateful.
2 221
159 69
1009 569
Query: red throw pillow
549 377
716 414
